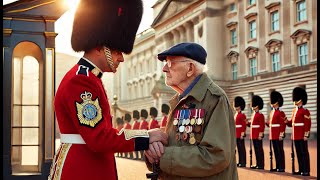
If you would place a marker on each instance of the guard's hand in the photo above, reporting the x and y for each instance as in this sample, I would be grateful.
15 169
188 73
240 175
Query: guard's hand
157 135
280 138
305 138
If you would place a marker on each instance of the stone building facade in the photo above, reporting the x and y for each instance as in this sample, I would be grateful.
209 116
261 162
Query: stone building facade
253 47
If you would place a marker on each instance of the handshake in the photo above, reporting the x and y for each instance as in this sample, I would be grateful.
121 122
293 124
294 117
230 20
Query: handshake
157 140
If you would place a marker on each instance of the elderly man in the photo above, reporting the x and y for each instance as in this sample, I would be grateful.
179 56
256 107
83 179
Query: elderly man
200 125
104 30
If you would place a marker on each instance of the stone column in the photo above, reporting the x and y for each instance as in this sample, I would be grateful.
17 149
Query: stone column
189 31
182 32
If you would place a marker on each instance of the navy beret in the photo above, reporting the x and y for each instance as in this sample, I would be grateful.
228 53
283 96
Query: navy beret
190 50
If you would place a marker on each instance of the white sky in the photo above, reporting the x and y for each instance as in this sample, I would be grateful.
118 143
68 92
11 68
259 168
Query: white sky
63 26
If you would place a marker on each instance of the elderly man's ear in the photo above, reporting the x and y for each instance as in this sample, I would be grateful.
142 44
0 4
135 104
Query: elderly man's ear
191 70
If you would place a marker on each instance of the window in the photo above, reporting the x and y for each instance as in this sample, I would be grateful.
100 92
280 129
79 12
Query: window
274 21
26 115
303 54
301 11
232 7
253 66
233 37
252 27
275 58
234 71
251 2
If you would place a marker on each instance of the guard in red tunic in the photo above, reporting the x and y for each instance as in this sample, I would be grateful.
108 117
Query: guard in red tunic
127 119
240 121
165 111
257 125
277 130
153 122
136 117
301 124
136 125
104 30
144 123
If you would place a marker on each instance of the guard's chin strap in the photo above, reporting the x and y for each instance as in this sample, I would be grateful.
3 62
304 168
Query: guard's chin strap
107 53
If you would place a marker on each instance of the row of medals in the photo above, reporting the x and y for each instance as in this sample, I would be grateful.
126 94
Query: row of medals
186 127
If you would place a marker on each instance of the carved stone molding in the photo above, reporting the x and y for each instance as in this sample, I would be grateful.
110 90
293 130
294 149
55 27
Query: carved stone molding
301 36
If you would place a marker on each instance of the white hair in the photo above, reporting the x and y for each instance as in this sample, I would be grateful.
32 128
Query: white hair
200 68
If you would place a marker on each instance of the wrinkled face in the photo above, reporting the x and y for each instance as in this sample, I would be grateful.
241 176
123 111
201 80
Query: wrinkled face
175 69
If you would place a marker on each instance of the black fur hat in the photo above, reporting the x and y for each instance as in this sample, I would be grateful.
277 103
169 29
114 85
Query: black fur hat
239 102
165 108
119 121
276 97
136 114
144 113
298 94
153 112
127 117
257 101
110 23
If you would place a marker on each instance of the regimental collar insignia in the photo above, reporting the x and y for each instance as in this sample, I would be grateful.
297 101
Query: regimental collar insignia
89 112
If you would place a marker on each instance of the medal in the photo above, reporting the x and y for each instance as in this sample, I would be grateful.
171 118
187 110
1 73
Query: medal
176 118
199 121
175 122
197 129
178 136
192 140
187 117
198 137
181 129
185 136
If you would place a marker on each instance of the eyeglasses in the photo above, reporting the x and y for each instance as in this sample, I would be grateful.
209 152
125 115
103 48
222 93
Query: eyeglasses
169 63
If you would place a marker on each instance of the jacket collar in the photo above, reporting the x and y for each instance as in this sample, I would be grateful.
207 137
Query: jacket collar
198 91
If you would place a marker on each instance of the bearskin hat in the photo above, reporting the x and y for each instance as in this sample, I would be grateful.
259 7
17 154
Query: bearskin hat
110 23
239 102
127 117
257 101
136 114
144 113
298 94
276 97
165 108
153 112
119 120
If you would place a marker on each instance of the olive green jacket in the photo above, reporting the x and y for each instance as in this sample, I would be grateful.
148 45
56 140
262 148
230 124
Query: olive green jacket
213 156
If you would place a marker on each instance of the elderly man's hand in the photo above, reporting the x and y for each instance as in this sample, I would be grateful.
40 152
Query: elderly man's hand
157 135
155 151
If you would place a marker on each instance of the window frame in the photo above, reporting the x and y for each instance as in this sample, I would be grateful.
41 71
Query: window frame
298 20
272 21
301 62
234 71
253 66
252 30
277 66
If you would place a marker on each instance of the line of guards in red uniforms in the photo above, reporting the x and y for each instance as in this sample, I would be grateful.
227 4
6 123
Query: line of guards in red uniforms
300 122
140 122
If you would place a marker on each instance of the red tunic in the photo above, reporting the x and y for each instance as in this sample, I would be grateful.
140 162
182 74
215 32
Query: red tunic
164 121
144 125
153 124
240 121
82 107
257 125
300 123
135 125
276 124
127 126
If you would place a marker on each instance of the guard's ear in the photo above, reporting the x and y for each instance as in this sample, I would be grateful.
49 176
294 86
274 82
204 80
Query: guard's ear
191 70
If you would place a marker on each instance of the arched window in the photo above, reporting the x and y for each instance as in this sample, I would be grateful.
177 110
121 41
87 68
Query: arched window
26 119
